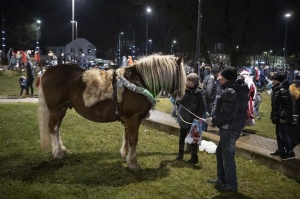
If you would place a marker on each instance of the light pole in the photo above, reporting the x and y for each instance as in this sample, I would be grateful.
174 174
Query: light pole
148 11
75 48
287 16
3 38
120 47
38 22
197 54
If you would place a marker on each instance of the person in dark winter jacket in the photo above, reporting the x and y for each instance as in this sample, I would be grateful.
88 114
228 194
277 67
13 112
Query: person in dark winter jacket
210 86
194 102
282 116
30 76
61 58
229 115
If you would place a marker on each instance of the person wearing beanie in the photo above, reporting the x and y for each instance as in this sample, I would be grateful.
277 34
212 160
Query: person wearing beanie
192 101
282 116
229 114
211 86
278 76
229 73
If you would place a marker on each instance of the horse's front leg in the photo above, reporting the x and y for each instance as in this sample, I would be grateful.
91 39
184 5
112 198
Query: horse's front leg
124 148
130 142
58 149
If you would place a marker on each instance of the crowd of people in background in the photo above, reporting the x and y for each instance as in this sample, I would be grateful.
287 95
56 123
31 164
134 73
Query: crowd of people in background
18 59
30 61
233 98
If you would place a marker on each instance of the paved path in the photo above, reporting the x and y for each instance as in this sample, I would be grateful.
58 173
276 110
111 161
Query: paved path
15 99
250 145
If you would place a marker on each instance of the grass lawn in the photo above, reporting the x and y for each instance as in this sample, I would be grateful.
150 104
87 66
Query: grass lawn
9 83
95 170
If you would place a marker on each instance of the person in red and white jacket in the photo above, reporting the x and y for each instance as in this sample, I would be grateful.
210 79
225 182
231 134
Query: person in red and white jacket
252 94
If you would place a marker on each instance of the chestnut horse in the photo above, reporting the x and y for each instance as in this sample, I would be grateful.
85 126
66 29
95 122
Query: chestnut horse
130 94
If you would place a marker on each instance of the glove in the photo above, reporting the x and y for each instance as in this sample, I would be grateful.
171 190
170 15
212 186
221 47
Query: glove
209 121
282 121
177 103
283 115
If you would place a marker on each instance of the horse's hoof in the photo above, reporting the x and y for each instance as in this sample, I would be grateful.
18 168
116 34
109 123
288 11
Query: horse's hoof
135 167
59 155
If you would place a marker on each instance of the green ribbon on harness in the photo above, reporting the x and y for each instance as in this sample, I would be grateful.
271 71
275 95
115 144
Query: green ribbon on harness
122 81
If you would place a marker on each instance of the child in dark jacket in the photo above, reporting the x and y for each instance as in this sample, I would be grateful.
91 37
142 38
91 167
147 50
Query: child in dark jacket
282 116
192 101
23 84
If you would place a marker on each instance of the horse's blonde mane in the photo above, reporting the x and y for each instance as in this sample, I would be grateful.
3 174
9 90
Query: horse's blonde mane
160 71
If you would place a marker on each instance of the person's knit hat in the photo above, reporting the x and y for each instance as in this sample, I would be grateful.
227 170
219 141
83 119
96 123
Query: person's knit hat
215 70
229 73
193 77
278 76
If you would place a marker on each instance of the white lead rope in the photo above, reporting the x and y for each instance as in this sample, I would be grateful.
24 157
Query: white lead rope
200 118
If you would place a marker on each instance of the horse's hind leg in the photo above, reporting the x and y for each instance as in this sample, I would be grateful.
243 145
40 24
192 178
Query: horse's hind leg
55 119
129 143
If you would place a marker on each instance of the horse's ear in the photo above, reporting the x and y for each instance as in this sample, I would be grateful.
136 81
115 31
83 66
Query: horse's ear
179 60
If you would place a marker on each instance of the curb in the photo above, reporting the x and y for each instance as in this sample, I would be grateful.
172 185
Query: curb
16 97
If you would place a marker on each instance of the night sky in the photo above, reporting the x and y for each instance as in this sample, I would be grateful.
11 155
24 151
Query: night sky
100 21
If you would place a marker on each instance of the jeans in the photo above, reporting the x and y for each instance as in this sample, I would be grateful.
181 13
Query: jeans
283 139
256 111
226 168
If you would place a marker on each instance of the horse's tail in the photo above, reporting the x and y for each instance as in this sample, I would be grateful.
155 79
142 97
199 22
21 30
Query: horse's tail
43 114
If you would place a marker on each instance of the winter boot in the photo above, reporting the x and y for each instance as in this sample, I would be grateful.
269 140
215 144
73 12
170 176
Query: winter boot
194 159
194 156
180 155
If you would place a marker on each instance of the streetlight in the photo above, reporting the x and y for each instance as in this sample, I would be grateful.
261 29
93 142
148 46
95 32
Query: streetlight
151 45
148 11
38 22
287 16
75 48
174 42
